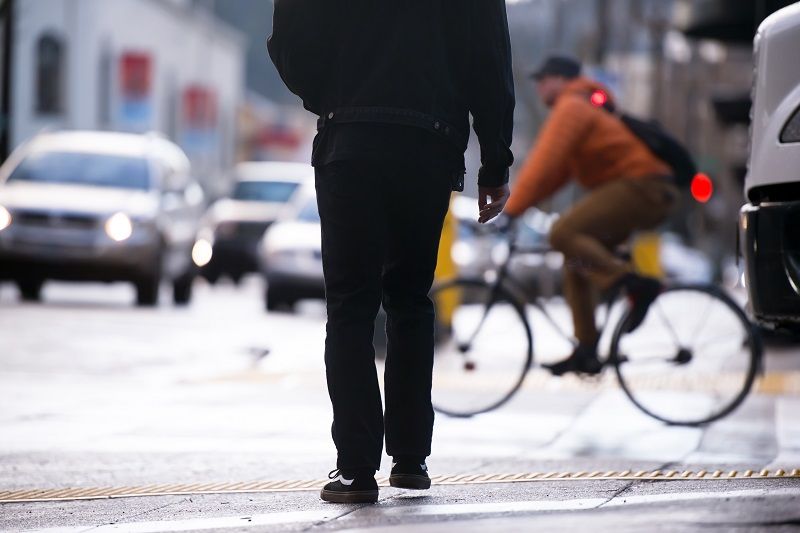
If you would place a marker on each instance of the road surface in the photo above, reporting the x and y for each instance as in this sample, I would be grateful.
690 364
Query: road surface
105 399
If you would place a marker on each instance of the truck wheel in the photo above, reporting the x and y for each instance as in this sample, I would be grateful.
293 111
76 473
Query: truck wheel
182 289
211 273
30 289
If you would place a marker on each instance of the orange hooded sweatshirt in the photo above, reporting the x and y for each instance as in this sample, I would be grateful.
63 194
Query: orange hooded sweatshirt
582 141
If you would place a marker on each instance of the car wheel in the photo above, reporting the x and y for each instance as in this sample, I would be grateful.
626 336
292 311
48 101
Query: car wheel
275 299
147 291
271 300
182 289
211 273
30 289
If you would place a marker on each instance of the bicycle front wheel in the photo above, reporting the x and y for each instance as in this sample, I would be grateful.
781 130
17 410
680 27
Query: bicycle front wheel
692 361
483 347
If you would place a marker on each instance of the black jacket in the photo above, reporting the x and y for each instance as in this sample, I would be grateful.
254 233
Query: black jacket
422 63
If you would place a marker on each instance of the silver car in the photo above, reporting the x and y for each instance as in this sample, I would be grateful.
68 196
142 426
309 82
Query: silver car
291 254
233 226
99 206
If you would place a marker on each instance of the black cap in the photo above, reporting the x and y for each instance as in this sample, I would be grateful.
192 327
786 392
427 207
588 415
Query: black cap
565 66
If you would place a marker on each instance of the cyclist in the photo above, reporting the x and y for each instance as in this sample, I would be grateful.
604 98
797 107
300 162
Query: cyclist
629 189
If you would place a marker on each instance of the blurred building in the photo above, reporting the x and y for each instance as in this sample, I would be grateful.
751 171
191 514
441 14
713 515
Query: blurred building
272 123
708 68
254 19
130 65
686 63
618 41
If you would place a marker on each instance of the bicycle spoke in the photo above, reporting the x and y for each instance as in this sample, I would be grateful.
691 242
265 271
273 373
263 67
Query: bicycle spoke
672 331
705 316
715 339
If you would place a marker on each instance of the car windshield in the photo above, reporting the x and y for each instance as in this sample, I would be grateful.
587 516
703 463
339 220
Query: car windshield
79 168
309 212
264 191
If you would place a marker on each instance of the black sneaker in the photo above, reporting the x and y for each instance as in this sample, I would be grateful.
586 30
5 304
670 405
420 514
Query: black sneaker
642 292
350 487
583 360
410 474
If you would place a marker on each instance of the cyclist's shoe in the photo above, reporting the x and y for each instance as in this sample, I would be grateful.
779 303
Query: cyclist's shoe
642 292
350 486
410 473
583 360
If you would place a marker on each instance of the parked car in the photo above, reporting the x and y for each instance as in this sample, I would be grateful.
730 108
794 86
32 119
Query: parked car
99 206
770 240
234 226
291 254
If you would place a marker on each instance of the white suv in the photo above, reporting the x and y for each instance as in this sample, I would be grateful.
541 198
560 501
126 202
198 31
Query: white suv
99 206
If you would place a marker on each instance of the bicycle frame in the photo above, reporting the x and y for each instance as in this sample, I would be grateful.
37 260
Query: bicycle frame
504 280
500 286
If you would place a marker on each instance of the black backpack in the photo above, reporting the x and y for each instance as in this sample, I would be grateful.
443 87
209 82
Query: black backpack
657 139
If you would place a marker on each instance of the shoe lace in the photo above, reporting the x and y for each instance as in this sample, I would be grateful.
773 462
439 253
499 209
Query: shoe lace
333 473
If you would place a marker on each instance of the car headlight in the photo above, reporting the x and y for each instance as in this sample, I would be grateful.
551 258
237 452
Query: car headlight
5 218
202 251
119 227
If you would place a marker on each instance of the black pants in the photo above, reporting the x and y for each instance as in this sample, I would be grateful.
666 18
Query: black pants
381 224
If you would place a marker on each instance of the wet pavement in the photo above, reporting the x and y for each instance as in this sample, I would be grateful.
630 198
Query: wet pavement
95 393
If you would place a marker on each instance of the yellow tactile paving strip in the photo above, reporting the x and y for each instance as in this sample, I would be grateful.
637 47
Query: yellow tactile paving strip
779 383
72 494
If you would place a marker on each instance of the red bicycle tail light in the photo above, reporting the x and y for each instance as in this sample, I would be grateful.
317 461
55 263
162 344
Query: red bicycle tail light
702 188
598 98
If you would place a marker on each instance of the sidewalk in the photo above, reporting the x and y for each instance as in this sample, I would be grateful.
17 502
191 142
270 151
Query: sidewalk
176 409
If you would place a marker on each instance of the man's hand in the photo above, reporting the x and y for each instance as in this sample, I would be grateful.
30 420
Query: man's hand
491 201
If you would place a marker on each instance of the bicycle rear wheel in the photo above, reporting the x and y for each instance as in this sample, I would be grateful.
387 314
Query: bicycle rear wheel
483 347
692 361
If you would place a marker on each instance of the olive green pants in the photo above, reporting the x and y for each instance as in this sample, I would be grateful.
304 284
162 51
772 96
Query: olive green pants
589 231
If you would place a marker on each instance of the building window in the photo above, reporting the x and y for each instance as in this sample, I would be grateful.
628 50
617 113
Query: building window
50 75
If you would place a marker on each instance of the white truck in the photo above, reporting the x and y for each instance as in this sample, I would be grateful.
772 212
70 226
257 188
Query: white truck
770 222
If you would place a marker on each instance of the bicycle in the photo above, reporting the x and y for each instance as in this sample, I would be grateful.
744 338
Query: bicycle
484 347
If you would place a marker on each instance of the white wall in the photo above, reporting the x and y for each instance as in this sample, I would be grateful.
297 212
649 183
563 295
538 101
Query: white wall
187 47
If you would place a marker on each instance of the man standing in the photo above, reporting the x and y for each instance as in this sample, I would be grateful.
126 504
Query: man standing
393 84
628 189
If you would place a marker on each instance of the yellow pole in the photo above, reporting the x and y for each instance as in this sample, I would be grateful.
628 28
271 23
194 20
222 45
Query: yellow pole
647 255
446 269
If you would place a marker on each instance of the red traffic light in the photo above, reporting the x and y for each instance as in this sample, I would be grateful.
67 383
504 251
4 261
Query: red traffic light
702 188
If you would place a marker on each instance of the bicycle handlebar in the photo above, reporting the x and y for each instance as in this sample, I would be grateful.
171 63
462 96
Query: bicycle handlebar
510 234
